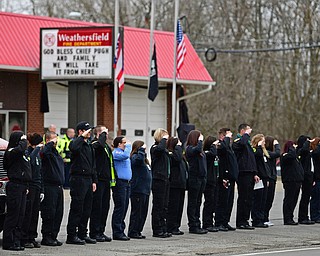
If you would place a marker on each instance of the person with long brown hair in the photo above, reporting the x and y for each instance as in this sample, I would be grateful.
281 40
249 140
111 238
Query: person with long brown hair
260 195
315 194
178 183
274 151
140 189
197 180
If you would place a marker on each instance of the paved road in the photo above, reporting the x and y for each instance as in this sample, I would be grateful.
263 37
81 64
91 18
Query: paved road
239 242
313 251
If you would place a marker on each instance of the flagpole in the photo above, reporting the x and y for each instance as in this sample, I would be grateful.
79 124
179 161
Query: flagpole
115 89
150 60
174 84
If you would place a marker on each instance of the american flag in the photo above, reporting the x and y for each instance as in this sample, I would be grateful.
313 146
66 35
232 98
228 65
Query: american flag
118 64
181 48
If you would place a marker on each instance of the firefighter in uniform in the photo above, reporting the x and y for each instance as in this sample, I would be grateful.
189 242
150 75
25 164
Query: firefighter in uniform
106 180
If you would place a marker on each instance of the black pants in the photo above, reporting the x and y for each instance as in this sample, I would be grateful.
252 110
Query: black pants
51 211
270 198
245 198
224 204
31 218
80 206
66 175
175 209
100 208
195 191
209 205
121 195
291 194
305 199
160 199
16 205
139 212
315 202
259 204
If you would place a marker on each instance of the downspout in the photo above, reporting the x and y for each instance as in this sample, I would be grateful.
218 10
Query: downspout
188 97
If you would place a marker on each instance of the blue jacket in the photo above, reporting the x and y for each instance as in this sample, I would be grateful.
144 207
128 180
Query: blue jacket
141 173
122 162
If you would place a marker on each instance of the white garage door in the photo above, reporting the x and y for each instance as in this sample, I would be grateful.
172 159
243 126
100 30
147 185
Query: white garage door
133 114
58 106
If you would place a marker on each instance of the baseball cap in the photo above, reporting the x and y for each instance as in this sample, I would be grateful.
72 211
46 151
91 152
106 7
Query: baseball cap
83 126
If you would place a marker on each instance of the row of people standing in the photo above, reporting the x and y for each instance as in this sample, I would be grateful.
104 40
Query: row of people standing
209 167
37 177
206 168
300 171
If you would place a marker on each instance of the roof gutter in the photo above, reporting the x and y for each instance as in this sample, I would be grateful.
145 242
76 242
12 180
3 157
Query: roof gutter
188 97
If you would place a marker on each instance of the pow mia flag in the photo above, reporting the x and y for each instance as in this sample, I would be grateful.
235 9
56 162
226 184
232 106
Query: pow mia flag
153 86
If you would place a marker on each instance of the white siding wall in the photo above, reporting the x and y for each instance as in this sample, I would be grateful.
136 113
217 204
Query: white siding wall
58 106
134 109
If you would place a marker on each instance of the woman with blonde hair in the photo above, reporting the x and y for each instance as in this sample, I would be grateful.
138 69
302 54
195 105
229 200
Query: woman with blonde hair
260 195
160 167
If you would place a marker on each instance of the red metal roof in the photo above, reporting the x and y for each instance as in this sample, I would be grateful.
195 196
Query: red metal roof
20 46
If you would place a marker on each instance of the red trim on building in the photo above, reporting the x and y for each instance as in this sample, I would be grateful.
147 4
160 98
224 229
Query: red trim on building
20 46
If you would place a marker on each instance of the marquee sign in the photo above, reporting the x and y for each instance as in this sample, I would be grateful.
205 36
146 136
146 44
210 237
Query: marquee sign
76 53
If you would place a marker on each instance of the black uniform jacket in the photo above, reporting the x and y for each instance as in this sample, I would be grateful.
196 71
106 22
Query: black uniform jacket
82 159
291 168
228 165
35 161
17 163
245 155
261 161
304 155
102 153
272 161
179 169
52 169
197 161
160 161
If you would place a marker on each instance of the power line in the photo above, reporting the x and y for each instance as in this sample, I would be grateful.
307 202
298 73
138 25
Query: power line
211 53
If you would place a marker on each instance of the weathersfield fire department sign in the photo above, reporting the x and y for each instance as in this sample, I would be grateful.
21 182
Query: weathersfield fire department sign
76 53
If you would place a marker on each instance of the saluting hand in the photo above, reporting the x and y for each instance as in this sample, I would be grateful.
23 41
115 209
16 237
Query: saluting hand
85 133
